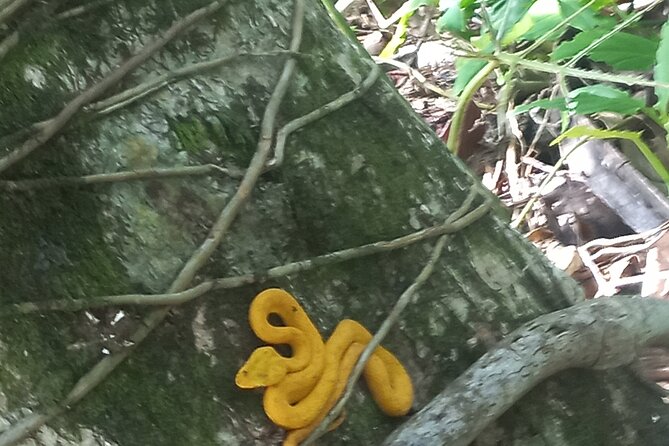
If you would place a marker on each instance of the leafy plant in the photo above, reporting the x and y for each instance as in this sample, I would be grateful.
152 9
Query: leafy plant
553 36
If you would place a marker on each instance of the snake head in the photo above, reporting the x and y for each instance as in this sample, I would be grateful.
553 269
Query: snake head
265 367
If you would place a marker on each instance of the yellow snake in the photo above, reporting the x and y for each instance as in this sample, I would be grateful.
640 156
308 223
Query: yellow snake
302 388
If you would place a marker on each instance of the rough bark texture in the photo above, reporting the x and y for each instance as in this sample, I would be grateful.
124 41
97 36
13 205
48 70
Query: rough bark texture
599 334
371 171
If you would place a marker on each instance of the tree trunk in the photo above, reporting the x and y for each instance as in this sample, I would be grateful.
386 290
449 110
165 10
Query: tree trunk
368 172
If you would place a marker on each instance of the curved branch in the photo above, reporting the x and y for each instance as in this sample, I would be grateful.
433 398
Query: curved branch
115 177
599 334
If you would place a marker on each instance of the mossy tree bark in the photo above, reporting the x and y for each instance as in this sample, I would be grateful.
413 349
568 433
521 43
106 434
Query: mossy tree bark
369 172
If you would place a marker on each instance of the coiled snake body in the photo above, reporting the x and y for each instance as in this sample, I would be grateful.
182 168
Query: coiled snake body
302 388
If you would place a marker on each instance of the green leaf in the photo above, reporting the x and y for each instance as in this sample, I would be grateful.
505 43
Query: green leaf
541 26
599 98
592 99
624 51
572 47
661 71
586 20
540 18
580 131
504 14
453 19
467 69
558 103
635 137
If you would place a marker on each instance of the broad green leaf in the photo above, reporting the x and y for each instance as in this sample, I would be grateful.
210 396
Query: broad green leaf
661 71
625 51
453 18
544 15
586 20
572 47
483 43
592 99
399 36
467 69
558 103
599 98
580 131
622 51
505 14
543 25
523 24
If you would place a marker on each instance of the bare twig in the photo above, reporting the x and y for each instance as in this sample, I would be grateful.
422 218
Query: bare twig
119 299
417 76
12 39
82 9
8 43
320 112
546 181
463 220
381 21
450 226
257 165
52 126
115 177
133 94
9 9
536 164
544 122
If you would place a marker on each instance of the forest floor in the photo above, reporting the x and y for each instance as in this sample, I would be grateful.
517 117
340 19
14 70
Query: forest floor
579 231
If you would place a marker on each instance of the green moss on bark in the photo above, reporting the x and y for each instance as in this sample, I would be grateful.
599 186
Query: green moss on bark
368 172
